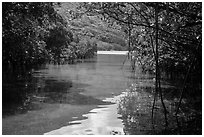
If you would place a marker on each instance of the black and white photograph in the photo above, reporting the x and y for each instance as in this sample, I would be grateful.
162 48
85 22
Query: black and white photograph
101 68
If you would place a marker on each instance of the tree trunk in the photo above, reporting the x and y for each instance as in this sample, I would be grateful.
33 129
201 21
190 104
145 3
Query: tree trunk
158 84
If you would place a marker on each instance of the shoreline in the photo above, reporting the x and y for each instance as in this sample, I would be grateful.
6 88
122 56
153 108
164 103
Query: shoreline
113 52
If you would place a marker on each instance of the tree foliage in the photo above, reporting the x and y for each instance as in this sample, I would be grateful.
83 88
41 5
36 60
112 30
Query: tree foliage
25 32
180 31
34 33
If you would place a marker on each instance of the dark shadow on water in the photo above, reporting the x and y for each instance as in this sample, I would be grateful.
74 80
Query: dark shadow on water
21 96
103 107
76 123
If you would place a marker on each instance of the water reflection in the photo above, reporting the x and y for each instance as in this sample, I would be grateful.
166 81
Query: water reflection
31 95
15 95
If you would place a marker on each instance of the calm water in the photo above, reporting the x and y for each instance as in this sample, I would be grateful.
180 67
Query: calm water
106 78
89 83
105 96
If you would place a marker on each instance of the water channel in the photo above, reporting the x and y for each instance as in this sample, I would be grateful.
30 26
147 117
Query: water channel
101 96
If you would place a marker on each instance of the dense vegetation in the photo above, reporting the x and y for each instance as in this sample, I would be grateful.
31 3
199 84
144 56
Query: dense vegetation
107 36
34 33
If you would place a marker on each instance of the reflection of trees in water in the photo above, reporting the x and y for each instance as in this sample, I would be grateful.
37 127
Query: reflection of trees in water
135 109
28 93
14 92
31 93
